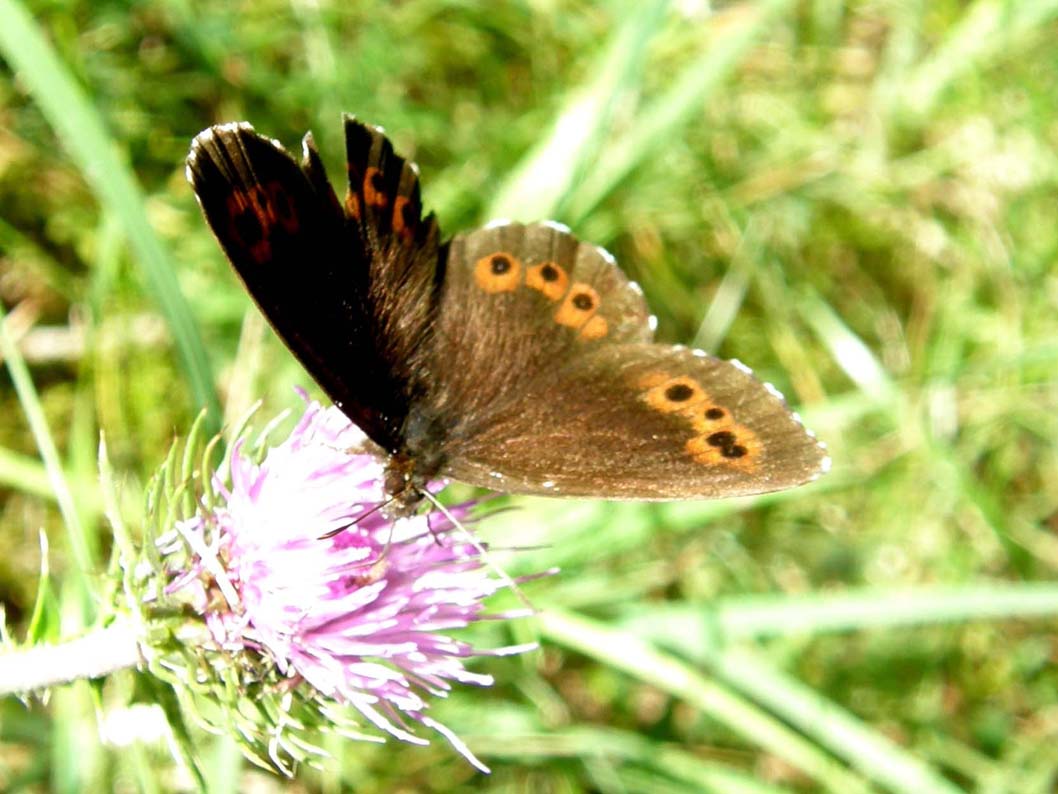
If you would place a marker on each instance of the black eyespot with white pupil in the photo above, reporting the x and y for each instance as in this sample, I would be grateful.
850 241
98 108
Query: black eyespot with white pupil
549 273
500 265
714 414
583 301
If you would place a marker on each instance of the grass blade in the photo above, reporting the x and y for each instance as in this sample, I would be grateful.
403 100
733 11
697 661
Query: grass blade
80 128
539 185
691 89
829 724
627 652
986 30
756 617
38 424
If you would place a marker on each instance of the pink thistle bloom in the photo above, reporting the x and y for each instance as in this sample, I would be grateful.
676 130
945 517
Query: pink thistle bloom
316 579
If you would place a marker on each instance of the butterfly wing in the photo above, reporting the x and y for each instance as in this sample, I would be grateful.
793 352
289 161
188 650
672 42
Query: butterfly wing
517 301
547 345
348 287
642 421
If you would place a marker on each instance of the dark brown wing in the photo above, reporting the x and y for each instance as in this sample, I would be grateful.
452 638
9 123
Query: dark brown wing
641 421
383 196
543 357
350 296
518 300
405 266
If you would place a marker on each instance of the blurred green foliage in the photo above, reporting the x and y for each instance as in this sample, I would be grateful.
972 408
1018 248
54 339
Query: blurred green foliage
858 199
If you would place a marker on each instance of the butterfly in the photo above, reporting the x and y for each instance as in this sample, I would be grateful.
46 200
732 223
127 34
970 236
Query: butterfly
514 357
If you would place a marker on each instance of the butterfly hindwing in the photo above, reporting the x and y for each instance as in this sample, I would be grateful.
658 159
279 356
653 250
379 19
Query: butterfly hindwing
641 421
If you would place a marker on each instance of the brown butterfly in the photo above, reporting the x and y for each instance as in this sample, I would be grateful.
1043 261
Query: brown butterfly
513 357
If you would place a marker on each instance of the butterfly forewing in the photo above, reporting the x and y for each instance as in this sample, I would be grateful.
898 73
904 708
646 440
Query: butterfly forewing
384 199
287 237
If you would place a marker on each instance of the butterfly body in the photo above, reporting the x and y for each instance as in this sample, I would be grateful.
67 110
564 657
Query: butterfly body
514 357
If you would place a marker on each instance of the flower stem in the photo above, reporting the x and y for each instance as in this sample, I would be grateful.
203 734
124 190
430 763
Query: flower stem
91 656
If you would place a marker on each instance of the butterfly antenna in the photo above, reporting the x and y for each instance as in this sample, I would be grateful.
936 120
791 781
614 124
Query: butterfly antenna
360 517
376 565
482 551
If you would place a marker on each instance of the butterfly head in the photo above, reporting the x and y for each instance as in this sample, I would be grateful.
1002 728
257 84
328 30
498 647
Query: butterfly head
410 469
401 486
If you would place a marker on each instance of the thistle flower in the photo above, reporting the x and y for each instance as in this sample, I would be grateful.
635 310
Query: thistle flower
296 566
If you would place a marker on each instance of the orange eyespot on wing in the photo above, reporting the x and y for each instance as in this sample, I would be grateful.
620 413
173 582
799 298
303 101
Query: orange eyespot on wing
280 207
255 214
374 187
673 395
579 306
498 272
550 278
403 217
737 446
718 439
707 418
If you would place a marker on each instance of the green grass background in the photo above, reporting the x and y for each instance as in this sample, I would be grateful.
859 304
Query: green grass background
857 199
